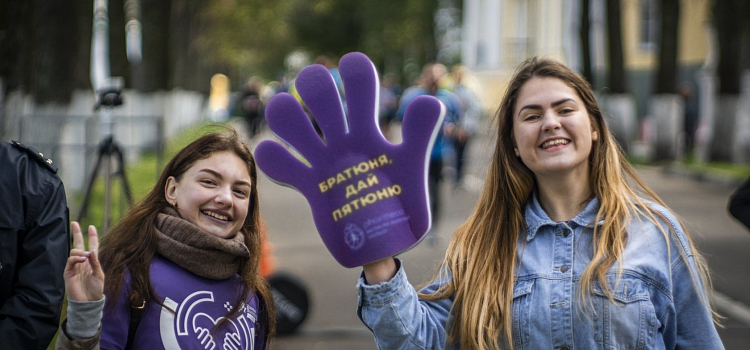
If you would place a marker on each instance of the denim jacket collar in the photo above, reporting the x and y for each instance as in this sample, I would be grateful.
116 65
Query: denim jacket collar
536 217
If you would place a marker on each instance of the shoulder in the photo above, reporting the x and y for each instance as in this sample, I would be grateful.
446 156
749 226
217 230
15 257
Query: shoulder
28 181
17 154
667 223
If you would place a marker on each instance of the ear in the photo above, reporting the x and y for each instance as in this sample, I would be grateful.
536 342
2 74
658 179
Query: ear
515 149
170 190
594 135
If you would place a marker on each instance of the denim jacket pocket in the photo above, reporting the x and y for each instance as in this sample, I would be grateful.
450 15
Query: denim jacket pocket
630 322
521 312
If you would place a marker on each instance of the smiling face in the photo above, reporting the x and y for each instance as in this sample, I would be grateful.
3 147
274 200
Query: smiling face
214 194
552 130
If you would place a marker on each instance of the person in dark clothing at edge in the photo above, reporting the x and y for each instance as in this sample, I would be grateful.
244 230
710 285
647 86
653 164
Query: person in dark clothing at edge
739 203
33 247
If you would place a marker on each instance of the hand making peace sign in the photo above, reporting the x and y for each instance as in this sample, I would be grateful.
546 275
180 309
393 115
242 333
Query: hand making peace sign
84 278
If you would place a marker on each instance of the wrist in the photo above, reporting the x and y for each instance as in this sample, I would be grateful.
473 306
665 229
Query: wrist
84 318
380 271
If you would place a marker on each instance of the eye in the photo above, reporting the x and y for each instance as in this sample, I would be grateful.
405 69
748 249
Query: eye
208 182
531 117
240 192
566 110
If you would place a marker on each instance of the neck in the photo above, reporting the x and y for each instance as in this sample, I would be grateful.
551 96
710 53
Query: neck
563 197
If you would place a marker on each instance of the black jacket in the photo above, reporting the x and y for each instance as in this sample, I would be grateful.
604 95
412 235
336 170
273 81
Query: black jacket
739 203
34 247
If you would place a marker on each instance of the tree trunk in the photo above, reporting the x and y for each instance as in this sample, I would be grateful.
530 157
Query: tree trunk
666 81
155 65
188 70
617 80
620 106
728 18
39 44
666 106
586 42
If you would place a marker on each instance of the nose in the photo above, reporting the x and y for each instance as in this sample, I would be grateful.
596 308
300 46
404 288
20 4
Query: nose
551 121
224 197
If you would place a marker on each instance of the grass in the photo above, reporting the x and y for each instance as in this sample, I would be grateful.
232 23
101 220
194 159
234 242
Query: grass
723 170
734 171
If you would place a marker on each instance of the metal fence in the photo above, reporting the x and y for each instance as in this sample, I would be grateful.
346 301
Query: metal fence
72 141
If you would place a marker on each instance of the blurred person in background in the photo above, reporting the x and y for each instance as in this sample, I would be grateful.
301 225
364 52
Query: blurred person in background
429 83
389 96
250 106
465 87
690 101
218 98
34 244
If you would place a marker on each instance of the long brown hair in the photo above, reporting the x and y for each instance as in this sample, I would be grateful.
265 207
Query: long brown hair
483 253
132 242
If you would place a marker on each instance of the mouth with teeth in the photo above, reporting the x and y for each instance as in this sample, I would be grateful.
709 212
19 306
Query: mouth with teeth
555 142
215 215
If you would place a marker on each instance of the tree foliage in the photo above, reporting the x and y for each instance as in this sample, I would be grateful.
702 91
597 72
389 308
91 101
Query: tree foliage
45 46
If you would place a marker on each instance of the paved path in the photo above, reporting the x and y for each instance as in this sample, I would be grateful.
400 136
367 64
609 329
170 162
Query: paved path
333 324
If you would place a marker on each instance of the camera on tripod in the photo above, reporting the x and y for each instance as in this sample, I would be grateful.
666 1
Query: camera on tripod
109 95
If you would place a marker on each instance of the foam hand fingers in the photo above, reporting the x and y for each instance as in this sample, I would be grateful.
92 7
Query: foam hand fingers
362 87
318 89
422 121
280 165
288 121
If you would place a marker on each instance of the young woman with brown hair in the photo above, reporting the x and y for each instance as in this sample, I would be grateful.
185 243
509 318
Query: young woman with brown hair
186 259
561 251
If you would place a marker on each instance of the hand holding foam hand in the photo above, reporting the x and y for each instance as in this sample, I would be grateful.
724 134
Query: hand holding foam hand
368 196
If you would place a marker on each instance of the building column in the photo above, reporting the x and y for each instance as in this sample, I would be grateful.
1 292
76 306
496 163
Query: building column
470 30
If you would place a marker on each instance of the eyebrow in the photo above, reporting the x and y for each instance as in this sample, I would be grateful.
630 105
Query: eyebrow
554 104
214 173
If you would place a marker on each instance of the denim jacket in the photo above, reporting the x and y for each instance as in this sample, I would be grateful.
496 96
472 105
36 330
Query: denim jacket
656 303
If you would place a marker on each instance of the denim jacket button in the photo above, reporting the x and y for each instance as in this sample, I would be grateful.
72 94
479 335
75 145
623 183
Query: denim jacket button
564 348
566 232
563 269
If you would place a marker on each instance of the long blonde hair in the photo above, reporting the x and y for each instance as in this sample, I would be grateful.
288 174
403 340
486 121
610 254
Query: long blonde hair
482 255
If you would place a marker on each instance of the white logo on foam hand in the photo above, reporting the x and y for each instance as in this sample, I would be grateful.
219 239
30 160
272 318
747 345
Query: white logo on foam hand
354 236
239 334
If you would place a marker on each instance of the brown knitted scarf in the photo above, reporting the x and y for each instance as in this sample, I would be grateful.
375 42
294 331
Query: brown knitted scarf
196 250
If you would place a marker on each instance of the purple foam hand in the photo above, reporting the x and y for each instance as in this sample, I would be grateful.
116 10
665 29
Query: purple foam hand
368 196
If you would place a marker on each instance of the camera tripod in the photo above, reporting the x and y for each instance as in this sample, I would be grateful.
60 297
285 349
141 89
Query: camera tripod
107 148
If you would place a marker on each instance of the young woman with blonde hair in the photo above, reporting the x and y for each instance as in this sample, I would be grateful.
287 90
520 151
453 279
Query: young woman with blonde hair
561 251
182 266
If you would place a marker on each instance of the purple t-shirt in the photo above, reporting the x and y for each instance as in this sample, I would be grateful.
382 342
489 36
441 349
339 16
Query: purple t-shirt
198 304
